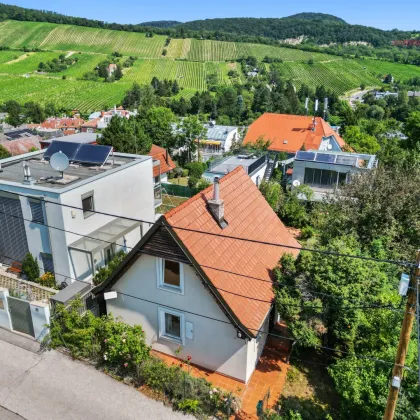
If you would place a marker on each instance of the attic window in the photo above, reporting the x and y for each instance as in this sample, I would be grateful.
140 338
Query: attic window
170 276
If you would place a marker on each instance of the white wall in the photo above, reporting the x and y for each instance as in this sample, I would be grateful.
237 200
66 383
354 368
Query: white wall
255 348
5 320
215 344
259 173
228 142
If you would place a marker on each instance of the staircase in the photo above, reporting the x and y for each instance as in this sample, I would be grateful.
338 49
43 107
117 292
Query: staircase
271 164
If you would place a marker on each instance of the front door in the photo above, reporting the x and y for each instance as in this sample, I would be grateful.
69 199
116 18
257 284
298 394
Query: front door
20 313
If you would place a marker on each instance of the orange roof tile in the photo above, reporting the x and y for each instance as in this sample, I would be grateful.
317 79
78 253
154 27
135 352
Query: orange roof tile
91 123
288 133
22 145
248 216
159 153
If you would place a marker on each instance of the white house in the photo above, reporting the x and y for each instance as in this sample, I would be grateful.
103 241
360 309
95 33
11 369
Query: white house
188 286
219 140
52 215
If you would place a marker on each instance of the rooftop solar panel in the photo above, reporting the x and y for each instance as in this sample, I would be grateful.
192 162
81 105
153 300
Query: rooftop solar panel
346 160
325 158
93 154
68 148
300 155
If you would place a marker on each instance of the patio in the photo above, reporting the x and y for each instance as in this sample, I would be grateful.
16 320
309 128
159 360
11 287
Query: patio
266 382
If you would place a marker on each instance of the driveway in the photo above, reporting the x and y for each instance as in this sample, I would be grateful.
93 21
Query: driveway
51 386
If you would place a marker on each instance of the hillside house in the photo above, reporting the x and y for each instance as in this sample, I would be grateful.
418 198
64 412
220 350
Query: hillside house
112 68
197 290
66 125
218 140
290 133
100 120
54 214
325 171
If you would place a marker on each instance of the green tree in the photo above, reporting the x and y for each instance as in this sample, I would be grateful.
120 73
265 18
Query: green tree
30 267
4 153
359 141
156 124
189 130
412 130
273 193
118 72
132 97
14 113
34 112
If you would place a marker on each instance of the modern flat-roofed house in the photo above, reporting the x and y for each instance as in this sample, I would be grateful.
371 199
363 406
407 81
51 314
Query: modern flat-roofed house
219 139
255 166
200 290
325 171
290 133
55 214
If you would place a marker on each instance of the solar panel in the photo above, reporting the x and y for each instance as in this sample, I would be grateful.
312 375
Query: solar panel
67 147
300 155
346 160
325 158
93 154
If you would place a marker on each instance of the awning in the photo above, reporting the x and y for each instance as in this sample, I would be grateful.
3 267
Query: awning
105 235
214 142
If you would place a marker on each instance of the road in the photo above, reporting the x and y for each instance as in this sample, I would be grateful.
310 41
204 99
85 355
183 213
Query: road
357 97
51 386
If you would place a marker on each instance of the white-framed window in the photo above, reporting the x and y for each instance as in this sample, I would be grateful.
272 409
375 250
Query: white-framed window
88 204
170 276
171 325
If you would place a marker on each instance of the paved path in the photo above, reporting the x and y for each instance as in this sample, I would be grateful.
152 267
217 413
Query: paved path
50 386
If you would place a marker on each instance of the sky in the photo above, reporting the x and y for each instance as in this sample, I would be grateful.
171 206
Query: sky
383 14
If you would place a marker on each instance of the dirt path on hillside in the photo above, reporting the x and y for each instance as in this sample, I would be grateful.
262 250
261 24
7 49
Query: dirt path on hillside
21 58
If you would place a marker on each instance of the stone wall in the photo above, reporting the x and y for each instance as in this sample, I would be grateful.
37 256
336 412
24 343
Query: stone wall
25 289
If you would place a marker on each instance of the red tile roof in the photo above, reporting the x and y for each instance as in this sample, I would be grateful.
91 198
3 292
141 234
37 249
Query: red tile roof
248 216
22 145
160 154
288 133
92 123
59 123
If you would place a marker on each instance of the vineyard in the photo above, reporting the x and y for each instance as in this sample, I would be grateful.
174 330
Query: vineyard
188 61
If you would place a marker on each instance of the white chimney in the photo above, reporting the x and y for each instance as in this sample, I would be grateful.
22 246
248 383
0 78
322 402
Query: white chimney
216 205
27 178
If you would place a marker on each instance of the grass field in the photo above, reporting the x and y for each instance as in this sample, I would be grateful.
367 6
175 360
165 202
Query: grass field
189 61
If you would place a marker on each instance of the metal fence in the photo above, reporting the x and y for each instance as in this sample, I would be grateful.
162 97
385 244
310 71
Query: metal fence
179 190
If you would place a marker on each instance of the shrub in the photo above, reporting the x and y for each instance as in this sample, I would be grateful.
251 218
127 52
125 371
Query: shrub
104 272
47 280
189 406
196 169
30 267
178 172
192 181
203 184
185 172
307 232
171 175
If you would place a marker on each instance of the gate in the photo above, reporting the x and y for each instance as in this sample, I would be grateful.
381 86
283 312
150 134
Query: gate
20 313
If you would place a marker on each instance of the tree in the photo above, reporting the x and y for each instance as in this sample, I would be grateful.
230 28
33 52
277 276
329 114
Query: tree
4 153
412 130
14 111
30 267
34 112
157 123
361 142
126 136
132 97
118 72
189 130
273 193
50 110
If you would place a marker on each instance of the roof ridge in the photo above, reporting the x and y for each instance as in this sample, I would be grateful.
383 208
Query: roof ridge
199 194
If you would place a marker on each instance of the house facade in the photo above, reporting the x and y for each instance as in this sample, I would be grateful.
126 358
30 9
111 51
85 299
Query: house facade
325 171
54 214
219 140
187 285
100 120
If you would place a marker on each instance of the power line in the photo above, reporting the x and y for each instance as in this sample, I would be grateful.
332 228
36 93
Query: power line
213 268
332 253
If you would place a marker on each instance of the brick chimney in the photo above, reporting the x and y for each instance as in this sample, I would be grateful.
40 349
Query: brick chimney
216 205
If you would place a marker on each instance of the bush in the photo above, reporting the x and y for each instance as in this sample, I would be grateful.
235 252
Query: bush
196 169
307 232
30 267
192 181
104 272
47 280
203 184
171 175
185 172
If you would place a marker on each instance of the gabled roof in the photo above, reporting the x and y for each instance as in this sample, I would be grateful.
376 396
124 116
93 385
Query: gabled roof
238 272
219 132
22 145
288 133
161 154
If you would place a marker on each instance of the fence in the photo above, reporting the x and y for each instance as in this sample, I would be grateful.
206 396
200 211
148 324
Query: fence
25 289
179 190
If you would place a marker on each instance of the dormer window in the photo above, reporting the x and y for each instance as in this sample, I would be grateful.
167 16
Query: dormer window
170 276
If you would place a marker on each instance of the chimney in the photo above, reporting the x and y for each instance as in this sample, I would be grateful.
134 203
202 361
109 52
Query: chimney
27 178
216 205
167 157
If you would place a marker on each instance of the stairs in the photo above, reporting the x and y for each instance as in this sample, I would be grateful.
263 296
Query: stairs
271 164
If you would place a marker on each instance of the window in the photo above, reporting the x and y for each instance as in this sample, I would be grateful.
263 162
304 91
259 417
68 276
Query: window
88 204
36 210
171 325
170 276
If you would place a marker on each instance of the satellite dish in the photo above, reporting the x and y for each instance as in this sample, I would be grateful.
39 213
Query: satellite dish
59 162
296 183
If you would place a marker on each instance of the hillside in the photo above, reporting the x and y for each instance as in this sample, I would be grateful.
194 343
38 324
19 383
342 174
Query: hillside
161 23
319 16
188 61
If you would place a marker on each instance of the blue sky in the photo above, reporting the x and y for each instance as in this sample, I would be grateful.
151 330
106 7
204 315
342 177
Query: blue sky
384 14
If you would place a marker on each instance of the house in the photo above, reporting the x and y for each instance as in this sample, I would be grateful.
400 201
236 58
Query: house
162 165
66 125
325 171
413 94
19 141
218 140
111 68
100 120
56 215
290 133
189 283
383 95
81 138
255 166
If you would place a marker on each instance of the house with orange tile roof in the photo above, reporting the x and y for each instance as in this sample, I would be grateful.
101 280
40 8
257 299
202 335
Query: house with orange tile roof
100 120
201 277
290 133
162 165
66 125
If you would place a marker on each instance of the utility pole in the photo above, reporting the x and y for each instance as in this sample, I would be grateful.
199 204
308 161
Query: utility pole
406 328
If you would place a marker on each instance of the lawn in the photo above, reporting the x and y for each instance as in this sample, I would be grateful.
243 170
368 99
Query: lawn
179 181
169 202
